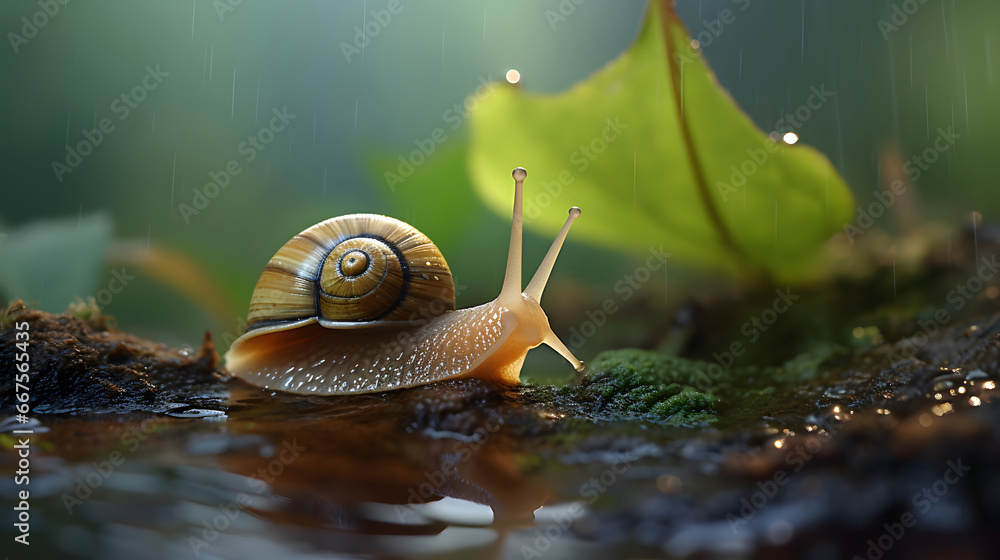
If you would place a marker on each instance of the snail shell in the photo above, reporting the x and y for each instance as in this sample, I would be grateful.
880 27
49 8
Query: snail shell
356 268
365 303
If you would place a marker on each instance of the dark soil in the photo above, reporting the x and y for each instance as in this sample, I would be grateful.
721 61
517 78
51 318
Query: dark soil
85 366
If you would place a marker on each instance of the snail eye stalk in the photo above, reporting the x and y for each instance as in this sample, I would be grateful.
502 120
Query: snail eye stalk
541 277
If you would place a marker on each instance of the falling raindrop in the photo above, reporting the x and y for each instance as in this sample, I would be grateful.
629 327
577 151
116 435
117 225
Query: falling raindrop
62 20
513 76
790 138
68 113
911 61
204 67
256 108
194 9
892 89
232 107
965 94
944 22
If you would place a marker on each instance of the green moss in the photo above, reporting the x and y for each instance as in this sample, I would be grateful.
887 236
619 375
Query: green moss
8 315
643 383
687 401
87 310
631 384
643 367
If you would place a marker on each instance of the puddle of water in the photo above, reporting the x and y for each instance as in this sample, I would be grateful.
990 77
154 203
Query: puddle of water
447 470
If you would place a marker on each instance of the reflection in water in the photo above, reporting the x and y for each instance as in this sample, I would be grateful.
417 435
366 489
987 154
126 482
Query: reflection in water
381 464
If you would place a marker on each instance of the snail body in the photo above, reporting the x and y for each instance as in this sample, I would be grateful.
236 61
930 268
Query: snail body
366 303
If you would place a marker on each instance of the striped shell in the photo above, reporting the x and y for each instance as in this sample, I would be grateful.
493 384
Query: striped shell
359 269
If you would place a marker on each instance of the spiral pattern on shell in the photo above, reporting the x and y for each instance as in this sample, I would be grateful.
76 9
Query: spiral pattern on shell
358 268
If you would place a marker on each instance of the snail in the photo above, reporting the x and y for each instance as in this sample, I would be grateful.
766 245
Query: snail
365 303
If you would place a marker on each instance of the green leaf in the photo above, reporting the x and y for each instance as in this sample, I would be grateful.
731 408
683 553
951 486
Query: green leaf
647 147
50 263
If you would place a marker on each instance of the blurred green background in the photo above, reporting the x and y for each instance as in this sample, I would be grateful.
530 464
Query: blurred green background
228 67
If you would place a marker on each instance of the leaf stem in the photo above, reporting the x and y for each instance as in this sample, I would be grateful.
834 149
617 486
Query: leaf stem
676 82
